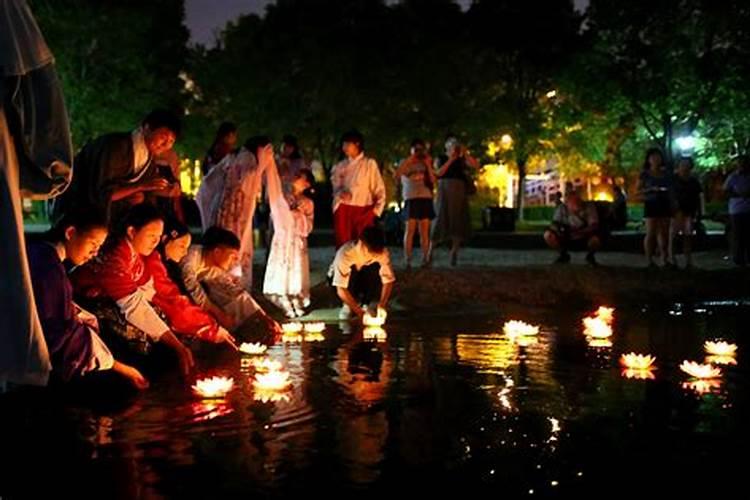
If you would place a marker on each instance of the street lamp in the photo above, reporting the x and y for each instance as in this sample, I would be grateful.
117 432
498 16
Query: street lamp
686 143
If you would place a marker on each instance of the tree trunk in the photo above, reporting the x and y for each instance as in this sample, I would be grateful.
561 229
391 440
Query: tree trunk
521 188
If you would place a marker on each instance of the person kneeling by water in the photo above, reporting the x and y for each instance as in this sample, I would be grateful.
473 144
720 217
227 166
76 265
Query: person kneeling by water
71 333
362 273
575 226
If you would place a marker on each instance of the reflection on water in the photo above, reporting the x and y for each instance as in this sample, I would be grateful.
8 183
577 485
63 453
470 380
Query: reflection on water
435 407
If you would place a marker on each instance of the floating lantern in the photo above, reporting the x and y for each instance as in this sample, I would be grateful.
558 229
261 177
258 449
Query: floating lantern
375 333
272 381
514 328
643 374
266 365
253 348
315 327
700 371
314 337
597 328
637 361
293 327
214 387
377 320
606 314
720 348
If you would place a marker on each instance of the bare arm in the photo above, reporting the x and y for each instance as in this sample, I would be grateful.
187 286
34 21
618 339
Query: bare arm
347 298
385 294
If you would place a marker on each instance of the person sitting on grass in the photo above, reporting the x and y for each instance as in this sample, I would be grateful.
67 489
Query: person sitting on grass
575 226
362 274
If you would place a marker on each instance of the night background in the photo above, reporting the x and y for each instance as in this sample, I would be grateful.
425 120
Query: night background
518 369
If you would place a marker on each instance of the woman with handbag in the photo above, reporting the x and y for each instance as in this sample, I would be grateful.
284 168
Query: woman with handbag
455 184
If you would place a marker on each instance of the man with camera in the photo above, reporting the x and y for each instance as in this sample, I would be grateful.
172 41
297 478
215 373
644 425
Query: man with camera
115 171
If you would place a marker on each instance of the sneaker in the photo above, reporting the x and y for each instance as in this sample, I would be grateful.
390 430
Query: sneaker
564 258
591 260
345 312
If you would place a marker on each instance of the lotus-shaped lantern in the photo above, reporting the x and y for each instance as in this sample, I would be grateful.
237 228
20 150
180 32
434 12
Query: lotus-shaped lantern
606 314
292 327
213 387
720 348
515 328
596 327
637 361
377 320
253 348
700 371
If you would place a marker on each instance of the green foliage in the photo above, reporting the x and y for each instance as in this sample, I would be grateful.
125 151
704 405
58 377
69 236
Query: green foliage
116 59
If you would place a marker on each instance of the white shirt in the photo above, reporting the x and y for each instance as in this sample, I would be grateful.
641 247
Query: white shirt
138 311
361 178
355 254
224 289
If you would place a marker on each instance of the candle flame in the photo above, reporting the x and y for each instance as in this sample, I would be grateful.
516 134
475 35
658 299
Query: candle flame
293 327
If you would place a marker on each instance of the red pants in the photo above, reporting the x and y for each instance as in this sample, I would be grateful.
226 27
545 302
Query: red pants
349 222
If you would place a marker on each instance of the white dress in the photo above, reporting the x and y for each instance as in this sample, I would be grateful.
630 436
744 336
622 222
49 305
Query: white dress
287 279
241 189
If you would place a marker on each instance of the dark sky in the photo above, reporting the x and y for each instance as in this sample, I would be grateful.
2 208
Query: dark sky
205 17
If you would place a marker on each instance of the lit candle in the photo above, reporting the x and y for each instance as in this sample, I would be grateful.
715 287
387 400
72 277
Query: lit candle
253 348
214 387
700 371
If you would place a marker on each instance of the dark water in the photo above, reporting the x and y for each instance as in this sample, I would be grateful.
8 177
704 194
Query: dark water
445 406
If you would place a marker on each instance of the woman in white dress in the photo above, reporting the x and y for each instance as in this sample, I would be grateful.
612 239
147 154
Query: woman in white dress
287 279
231 194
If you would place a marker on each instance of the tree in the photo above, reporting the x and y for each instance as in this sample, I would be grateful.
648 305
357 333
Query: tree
117 60
523 46
676 63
